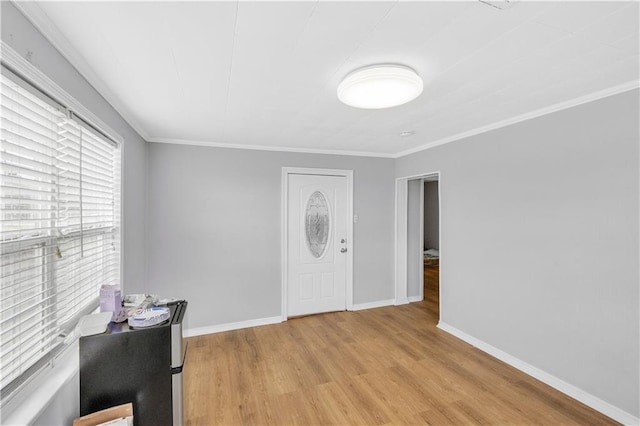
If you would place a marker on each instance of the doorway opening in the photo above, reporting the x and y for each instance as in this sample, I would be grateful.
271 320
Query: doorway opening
418 242
431 245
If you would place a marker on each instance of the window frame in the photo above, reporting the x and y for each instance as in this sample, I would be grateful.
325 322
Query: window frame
26 75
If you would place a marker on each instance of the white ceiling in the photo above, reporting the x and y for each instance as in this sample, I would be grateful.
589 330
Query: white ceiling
264 74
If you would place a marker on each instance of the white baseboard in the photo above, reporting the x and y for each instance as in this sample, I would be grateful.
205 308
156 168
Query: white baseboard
415 299
371 305
556 383
218 328
402 301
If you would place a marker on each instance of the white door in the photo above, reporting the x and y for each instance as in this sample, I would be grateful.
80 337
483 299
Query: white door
316 244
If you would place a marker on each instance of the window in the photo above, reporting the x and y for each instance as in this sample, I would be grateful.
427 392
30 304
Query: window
59 225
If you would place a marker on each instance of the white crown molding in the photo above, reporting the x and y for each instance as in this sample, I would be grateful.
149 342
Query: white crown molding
269 148
34 13
568 389
41 21
34 76
219 328
625 87
615 90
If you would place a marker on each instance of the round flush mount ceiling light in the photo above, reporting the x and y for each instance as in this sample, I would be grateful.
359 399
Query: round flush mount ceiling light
380 86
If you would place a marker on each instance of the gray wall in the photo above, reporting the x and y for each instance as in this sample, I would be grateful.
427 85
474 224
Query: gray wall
215 224
20 35
431 216
540 221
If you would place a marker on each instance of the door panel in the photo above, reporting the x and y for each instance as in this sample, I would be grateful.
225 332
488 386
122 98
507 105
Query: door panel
316 228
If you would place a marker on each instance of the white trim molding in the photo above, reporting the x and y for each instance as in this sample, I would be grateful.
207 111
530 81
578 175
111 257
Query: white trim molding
615 90
219 328
373 305
591 97
34 13
417 298
568 389
421 254
269 148
29 72
401 221
286 171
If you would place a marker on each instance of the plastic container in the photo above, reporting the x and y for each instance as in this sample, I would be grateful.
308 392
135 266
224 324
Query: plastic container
94 323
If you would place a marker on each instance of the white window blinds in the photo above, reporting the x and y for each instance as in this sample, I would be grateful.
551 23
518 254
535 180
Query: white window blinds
59 225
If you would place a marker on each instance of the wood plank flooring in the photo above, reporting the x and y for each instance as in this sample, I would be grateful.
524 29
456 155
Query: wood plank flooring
432 290
381 366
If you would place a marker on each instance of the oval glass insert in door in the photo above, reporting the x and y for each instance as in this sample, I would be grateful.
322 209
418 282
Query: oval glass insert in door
317 224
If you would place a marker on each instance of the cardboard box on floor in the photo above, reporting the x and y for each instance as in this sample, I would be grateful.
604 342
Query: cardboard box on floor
124 412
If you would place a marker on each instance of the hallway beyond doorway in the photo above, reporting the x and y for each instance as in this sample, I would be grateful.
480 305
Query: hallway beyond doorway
432 289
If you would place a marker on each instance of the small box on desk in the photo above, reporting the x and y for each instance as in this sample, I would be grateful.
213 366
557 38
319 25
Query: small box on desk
110 300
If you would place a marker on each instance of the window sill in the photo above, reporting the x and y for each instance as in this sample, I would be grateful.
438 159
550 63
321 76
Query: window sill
31 401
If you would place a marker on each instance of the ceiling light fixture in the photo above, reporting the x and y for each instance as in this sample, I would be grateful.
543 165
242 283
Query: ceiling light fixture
380 86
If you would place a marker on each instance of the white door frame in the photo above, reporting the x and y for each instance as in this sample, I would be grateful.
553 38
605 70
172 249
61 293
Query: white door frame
286 171
402 189
422 181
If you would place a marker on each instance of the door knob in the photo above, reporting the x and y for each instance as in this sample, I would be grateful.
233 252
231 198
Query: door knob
343 241
343 250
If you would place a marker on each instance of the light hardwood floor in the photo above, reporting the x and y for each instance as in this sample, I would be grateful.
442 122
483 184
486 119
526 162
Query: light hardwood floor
381 366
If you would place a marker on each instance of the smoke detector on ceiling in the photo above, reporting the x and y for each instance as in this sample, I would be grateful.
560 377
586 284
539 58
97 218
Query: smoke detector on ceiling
499 4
